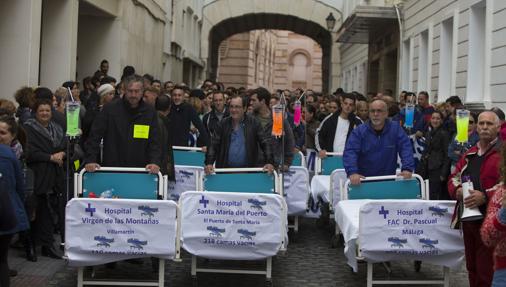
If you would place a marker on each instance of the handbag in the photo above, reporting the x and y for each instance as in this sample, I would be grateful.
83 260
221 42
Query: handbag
422 168
8 218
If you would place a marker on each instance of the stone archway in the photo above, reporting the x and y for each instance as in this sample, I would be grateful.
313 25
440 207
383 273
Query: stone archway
224 18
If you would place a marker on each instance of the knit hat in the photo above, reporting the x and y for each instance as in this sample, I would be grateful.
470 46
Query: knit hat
104 89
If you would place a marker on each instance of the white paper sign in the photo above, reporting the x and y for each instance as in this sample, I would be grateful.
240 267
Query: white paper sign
186 179
296 189
410 230
233 226
99 231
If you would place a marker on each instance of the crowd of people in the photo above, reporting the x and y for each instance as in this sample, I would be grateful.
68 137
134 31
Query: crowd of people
137 121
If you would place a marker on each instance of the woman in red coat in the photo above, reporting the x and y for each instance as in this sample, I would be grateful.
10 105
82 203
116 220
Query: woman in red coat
493 229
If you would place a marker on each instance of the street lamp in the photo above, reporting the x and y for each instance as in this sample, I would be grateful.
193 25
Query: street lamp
331 22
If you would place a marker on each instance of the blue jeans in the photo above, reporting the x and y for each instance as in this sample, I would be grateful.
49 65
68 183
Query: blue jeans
499 278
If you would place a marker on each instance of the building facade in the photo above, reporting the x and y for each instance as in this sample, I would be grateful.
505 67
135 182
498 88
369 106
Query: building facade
48 42
274 59
445 47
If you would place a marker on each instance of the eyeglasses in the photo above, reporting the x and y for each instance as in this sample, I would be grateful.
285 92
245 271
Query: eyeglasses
471 122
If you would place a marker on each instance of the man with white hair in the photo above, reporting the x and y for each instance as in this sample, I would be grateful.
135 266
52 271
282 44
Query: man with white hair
480 165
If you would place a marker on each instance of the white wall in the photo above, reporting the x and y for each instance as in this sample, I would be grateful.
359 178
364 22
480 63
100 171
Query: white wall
58 42
186 34
353 71
141 39
167 62
497 90
19 45
99 39
489 85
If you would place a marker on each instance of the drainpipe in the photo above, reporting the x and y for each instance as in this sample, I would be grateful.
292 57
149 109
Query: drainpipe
400 51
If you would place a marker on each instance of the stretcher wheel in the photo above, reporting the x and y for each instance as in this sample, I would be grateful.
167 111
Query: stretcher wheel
268 283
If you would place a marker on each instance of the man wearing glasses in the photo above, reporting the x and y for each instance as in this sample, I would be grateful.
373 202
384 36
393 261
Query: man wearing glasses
372 148
236 139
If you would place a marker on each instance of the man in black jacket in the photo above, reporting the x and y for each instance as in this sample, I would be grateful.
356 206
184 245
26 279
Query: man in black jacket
129 129
181 116
334 130
260 100
219 111
162 105
236 140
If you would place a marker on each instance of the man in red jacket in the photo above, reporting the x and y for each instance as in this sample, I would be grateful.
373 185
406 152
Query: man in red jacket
481 164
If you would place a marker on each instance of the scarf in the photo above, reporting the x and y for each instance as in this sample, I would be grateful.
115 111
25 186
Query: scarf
53 132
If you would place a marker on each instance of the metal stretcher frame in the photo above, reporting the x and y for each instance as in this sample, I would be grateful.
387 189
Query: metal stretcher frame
192 156
325 166
423 195
391 195
298 160
268 269
332 184
162 195
198 178
232 173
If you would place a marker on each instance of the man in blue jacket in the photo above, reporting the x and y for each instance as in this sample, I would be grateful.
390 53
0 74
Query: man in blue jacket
372 148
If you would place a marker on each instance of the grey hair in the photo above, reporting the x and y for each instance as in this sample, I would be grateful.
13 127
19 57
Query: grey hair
133 78
496 117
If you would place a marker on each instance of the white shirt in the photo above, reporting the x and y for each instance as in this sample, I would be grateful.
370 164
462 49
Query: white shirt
341 133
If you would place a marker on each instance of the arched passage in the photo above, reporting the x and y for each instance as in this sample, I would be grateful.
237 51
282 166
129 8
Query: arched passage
223 19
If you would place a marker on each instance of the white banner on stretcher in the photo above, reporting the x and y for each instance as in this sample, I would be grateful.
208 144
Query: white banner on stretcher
410 230
186 179
296 189
100 231
233 226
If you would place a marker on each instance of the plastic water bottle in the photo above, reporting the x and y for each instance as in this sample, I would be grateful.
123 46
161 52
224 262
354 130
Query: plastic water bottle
106 194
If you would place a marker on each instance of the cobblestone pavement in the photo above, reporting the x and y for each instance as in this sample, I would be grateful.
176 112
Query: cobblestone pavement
309 261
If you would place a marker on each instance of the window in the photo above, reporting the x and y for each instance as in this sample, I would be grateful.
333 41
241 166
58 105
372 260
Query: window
423 58
299 67
406 65
446 60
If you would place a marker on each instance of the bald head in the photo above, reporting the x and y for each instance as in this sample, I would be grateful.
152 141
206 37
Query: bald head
378 113
381 104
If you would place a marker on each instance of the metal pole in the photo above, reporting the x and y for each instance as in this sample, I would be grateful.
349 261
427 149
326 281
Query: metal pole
281 170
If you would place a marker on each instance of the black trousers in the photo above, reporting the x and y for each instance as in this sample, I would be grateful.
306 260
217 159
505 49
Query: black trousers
45 219
437 188
4 266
